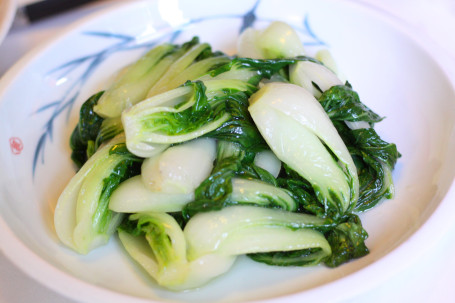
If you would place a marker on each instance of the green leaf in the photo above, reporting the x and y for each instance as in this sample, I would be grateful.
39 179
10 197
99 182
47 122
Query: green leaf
264 68
302 192
89 121
213 193
342 103
376 160
370 143
78 147
124 170
304 257
110 127
240 128
347 241
86 131
155 232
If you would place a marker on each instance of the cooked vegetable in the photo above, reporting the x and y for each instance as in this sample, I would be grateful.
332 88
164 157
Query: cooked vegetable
135 81
158 244
180 115
167 180
313 148
196 157
374 157
82 218
184 69
83 141
157 71
216 192
259 193
176 170
133 196
239 230
314 77
278 40
326 58
347 241
267 160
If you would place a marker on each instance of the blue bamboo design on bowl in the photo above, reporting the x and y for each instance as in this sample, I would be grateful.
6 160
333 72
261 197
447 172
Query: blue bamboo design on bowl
64 104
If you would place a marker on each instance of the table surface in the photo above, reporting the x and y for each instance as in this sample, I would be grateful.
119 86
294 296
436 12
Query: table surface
431 277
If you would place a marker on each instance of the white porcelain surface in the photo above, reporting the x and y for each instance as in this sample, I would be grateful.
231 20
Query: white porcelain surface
394 73
7 10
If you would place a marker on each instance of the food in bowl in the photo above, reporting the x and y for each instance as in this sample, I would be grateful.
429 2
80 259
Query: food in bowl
194 157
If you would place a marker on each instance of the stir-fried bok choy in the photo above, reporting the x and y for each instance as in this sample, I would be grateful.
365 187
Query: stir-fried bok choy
194 157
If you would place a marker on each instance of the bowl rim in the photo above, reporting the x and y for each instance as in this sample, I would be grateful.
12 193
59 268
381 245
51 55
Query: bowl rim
42 271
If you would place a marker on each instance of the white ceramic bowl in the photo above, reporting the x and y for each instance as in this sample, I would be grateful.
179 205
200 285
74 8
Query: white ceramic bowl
394 74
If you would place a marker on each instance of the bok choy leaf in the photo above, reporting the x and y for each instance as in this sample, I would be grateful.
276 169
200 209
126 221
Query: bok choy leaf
180 115
82 217
375 158
157 243
313 148
195 157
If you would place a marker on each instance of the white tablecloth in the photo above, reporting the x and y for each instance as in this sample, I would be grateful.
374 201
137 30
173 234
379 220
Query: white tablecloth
430 279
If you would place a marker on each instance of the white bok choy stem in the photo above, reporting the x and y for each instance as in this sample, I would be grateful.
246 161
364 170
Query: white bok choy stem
168 180
180 168
327 59
307 74
316 78
299 132
132 85
154 121
246 191
267 160
166 82
278 40
74 218
133 196
192 72
133 126
237 230
161 250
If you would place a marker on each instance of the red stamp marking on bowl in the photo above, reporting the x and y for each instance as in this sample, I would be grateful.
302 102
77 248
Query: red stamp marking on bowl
16 145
